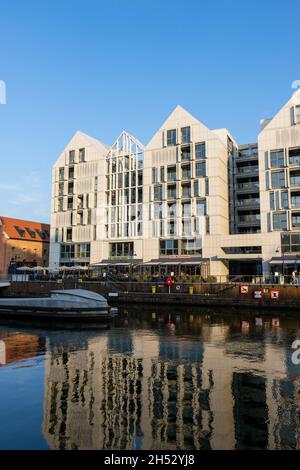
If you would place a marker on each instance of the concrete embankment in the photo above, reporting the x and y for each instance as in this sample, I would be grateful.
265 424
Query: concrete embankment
225 295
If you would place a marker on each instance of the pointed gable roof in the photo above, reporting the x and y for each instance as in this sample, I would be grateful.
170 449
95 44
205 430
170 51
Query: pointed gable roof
100 146
126 143
179 117
276 120
85 140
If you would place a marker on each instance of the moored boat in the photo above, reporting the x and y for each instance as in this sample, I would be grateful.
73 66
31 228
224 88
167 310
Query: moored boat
73 304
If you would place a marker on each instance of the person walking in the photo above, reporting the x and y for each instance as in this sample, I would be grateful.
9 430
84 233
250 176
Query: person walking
294 277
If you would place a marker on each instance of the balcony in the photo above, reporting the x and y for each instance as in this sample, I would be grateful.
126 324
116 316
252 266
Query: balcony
295 178
248 202
249 186
246 170
295 200
249 219
294 156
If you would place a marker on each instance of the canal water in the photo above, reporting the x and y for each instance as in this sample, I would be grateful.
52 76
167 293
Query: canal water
155 379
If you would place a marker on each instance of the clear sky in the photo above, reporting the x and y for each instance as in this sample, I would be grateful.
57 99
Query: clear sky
104 66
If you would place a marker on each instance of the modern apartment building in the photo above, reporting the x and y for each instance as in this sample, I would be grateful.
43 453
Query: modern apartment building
191 196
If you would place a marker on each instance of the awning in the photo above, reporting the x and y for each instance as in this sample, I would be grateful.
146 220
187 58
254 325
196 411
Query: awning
176 262
240 257
124 262
293 261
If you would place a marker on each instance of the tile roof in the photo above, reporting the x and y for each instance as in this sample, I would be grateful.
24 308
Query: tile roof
25 230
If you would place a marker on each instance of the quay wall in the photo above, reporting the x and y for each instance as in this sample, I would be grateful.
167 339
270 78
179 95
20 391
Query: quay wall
181 294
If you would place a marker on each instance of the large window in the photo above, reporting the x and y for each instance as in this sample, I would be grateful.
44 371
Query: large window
296 220
294 156
71 157
277 159
201 169
278 179
201 207
295 178
168 247
154 175
186 190
186 208
279 221
71 173
284 200
67 251
121 250
171 173
200 151
180 247
83 250
172 191
185 153
290 243
185 135
61 174
171 137
295 199
158 193
190 247
186 172
82 155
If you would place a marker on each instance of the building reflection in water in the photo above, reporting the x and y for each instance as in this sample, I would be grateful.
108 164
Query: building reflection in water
197 385
15 347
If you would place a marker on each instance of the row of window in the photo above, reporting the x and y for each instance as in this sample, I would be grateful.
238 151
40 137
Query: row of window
280 220
125 213
172 191
43 234
280 200
124 163
277 158
279 179
125 229
180 227
121 250
124 180
180 247
126 196
77 251
72 156
160 211
173 174
290 242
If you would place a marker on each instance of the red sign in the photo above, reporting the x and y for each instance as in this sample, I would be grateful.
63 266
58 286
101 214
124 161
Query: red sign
274 294
244 289
170 282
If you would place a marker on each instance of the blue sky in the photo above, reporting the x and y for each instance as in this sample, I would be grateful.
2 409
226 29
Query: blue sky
104 66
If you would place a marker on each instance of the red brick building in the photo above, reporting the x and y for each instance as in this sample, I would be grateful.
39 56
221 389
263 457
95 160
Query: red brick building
23 243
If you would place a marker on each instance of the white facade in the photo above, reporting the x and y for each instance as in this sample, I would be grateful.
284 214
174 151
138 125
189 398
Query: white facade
77 208
176 197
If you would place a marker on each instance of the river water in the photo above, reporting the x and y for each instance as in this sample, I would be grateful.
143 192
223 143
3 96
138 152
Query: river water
155 379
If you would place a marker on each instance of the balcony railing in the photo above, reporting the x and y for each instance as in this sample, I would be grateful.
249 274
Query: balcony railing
252 219
247 169
295 180
248 202
247 186
294 160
